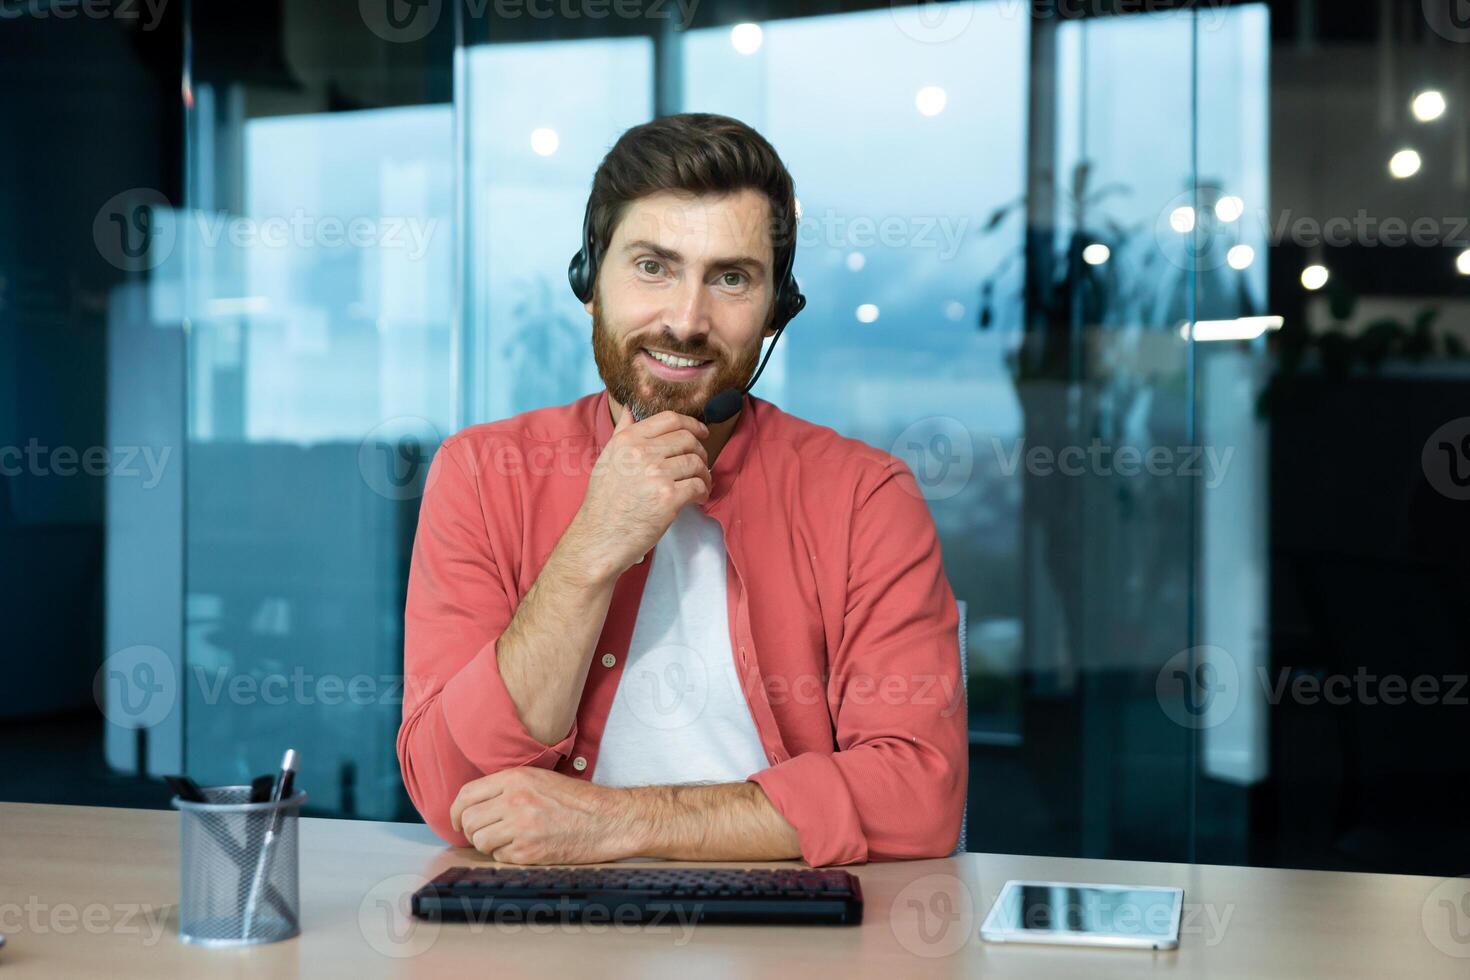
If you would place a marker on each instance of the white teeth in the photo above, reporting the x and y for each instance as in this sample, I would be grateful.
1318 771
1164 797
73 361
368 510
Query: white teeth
672 360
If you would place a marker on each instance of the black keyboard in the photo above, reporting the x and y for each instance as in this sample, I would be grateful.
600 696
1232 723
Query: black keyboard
682 896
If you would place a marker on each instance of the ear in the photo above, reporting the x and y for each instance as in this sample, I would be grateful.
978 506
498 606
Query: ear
588 307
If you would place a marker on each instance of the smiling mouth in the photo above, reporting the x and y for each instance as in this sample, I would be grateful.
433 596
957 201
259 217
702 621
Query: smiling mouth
674 360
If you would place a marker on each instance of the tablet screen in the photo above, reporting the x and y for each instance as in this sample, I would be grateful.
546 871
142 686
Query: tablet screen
1038 910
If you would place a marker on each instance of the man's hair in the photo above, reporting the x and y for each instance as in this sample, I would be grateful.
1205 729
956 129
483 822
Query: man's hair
698 153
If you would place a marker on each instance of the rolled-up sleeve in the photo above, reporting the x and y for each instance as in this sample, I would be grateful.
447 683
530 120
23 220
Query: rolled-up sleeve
459 722
895 786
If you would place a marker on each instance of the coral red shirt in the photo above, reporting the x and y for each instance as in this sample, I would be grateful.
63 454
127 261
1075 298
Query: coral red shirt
842 625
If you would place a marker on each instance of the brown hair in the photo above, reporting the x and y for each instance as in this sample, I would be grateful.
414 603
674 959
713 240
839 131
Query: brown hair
696 152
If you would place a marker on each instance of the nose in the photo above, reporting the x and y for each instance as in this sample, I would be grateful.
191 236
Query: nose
687 315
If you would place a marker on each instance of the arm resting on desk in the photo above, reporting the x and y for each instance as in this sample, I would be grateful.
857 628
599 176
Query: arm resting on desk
535 816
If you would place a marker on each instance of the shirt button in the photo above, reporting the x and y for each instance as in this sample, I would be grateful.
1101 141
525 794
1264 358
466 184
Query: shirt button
579 763
608 660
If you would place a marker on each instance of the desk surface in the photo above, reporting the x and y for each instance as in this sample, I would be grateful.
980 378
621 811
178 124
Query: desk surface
91 892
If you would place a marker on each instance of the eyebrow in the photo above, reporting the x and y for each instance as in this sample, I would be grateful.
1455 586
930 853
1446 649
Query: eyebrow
750 263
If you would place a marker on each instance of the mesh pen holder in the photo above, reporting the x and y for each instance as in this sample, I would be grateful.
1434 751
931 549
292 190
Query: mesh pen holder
238 868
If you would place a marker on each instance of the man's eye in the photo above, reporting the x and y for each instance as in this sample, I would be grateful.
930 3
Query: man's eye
651 266
738 279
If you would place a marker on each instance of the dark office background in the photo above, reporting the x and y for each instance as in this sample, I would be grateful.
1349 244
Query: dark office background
1070 186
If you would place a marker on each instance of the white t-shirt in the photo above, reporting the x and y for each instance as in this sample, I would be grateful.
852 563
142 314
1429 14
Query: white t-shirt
678 715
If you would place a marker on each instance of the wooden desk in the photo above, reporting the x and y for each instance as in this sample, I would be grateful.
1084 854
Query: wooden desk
91 892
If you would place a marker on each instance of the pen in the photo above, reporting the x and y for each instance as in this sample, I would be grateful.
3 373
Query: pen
260 788
282 790
186 789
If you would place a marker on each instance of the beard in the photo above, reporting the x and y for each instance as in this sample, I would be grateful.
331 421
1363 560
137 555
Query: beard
645 395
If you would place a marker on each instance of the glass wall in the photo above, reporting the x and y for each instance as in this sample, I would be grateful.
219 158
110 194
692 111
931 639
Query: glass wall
1165 307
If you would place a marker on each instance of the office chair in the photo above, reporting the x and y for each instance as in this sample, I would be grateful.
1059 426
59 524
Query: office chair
961 845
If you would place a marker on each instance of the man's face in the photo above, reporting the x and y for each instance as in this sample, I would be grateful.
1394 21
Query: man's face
683 297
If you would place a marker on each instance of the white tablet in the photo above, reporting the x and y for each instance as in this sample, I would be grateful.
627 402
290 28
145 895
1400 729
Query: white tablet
1071 914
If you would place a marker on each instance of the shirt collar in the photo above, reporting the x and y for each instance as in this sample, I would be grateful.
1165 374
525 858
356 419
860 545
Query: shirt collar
731 459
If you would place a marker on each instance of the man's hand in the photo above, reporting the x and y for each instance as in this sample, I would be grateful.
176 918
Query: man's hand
536 816
647 471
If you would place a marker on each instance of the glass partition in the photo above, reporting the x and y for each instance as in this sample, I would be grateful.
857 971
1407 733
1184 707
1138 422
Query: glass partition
319 249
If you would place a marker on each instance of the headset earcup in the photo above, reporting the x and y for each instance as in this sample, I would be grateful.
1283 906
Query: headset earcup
789 301
577 276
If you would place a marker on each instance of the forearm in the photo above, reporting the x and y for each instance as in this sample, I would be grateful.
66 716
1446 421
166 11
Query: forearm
546 650
717 822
